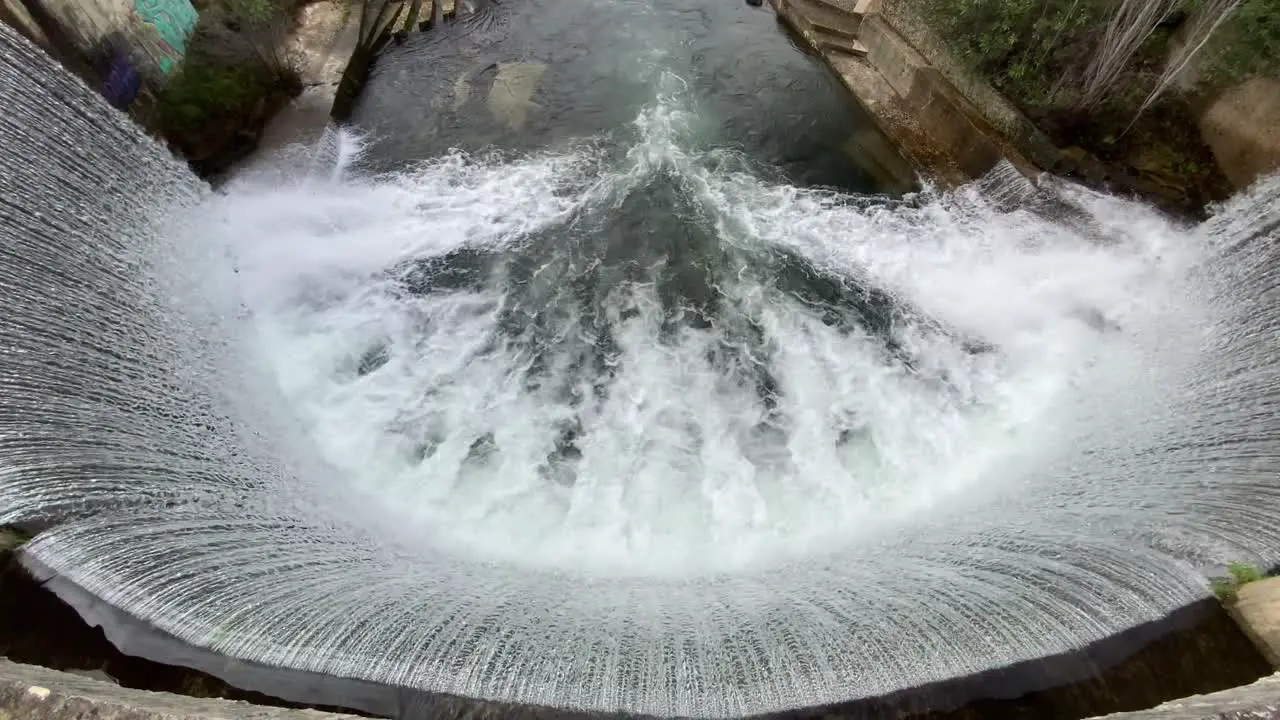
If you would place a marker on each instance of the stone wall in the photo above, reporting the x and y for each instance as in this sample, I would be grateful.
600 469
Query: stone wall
118 46
994 108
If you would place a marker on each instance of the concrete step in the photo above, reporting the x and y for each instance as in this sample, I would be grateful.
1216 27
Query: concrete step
836 43
824 17
847 8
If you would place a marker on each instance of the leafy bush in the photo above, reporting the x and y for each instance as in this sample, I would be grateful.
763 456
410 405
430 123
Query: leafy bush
1035 50
1238 574
1249 45
237 71
204 89
1026 48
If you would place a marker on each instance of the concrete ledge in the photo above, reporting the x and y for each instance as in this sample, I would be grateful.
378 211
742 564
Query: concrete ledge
1259 701
1256 610
914 105
35 693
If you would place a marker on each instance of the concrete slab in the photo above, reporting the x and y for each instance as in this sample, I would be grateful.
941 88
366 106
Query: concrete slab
16 14
896 120
872 151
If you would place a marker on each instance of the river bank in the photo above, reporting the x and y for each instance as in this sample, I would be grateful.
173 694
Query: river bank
1182 116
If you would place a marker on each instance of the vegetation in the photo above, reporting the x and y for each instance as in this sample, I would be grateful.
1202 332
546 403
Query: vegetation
1238 574
11 538
1120 84
1248 44
235 74
1043 53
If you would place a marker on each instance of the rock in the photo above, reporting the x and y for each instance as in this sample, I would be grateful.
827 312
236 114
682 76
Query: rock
99 675
1242 128
511 94
35 693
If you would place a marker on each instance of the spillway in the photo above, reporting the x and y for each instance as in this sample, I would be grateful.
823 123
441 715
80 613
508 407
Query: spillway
628 422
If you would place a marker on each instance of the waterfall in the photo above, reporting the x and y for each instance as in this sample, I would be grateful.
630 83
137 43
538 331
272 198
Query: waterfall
619 427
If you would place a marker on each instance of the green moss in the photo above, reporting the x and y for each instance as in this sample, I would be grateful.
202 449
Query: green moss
1226 589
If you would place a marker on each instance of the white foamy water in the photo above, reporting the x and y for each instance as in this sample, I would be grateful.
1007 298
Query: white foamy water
678 463
621 427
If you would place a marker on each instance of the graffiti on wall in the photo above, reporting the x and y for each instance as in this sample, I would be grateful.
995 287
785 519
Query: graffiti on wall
173 21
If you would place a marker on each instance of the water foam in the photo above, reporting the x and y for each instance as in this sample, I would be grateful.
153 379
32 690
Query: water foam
630 430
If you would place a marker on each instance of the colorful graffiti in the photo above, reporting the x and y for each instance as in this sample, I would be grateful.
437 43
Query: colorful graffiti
173 21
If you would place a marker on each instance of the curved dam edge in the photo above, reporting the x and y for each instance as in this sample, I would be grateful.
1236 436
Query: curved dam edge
28 692
1200 639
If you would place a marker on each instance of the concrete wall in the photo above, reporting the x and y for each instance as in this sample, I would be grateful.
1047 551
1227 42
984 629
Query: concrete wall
994 108
135 43
34 693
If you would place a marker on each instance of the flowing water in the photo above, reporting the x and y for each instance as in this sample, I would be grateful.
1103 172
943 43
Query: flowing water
594 66
631 419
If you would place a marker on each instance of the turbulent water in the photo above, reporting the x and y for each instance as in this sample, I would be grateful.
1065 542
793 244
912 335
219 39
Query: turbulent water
631 424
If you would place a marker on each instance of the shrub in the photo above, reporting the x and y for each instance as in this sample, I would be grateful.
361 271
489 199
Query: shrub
1248 45
236 68
1238 574
1036 51
202 89
1026 48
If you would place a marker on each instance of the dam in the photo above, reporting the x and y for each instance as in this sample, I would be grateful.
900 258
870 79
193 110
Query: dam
645 398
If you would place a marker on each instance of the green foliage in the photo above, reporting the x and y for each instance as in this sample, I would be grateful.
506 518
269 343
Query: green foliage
12 538
203 89
233 62
1249 46
1244 573
1025 47
1035 51
1226 589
